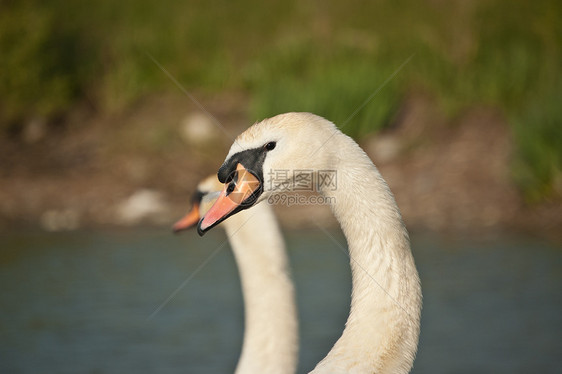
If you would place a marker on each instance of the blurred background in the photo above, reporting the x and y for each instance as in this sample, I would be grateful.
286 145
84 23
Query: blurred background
111 112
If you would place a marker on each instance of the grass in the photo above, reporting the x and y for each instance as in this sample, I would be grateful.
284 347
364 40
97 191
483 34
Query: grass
298 55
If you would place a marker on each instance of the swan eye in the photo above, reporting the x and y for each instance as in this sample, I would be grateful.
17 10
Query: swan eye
269 146
232 177
230 188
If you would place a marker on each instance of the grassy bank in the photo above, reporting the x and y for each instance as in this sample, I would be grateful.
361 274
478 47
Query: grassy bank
327 58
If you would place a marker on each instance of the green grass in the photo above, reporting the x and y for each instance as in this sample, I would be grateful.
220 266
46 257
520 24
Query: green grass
351 93
326 58
538 135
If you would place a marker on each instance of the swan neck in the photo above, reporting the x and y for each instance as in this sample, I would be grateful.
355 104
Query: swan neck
383 324
271 329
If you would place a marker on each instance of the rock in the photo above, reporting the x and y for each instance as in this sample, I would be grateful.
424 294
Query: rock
142 205
137 169
384 148
34 130
198 128
60 220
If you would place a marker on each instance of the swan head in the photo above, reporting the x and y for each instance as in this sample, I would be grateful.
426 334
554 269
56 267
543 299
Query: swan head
269 154
203 198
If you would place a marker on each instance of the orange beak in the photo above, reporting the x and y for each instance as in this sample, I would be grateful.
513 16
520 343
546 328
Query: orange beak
231 199
191 219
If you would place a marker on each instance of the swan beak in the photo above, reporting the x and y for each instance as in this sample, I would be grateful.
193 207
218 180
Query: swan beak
191 219
233 198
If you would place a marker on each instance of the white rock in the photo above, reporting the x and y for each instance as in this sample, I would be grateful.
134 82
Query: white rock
34 130
142 205
384 148
60 220
198 128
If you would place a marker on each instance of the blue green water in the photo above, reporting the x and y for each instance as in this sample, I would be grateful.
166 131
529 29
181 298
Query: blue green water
82 302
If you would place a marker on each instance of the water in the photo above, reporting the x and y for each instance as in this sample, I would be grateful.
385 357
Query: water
86 303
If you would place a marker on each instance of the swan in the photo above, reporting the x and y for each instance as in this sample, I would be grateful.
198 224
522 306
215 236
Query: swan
382 330
270 342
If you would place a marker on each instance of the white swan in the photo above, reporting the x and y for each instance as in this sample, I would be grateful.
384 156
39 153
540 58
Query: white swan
271 328
381 333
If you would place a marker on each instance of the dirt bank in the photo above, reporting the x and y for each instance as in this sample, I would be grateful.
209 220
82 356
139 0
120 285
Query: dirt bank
86 171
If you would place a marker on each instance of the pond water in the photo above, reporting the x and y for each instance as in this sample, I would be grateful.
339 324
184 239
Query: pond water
91 302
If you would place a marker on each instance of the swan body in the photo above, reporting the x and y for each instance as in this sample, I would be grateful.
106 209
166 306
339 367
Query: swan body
271 329
382 330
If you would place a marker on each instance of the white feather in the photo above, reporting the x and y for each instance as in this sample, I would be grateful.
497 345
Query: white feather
381 333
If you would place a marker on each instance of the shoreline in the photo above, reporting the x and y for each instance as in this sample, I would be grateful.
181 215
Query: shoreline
447 176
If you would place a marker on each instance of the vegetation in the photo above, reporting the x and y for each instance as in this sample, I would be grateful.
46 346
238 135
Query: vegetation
324 57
